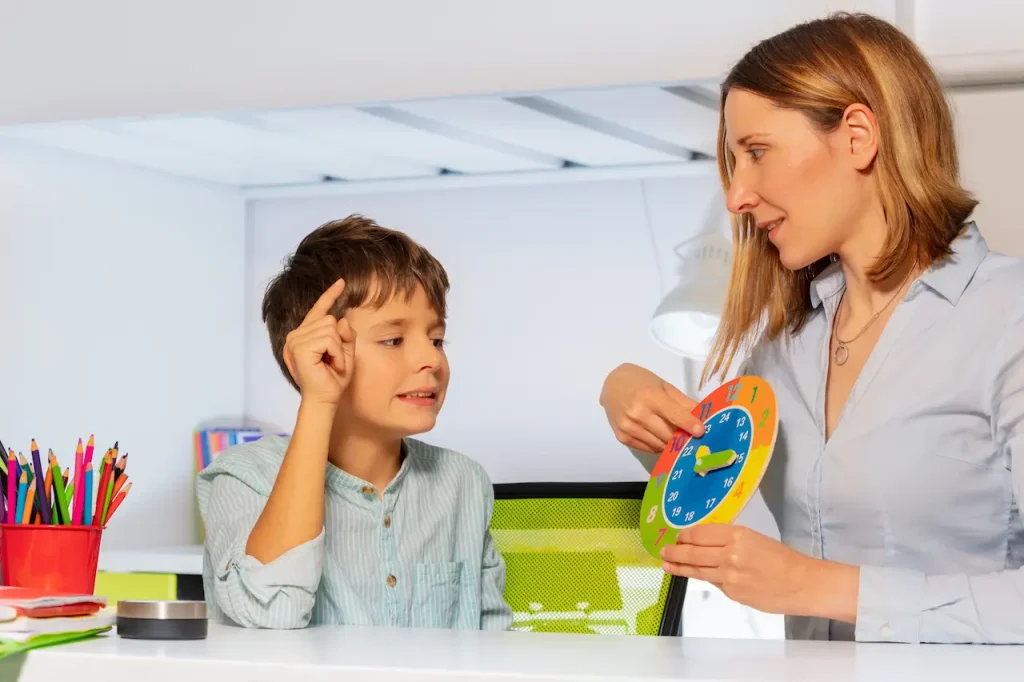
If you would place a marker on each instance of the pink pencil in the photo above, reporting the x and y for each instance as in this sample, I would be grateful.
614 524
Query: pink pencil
79 498
88 449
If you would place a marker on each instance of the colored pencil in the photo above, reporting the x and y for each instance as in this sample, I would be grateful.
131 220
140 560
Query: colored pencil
22 491
108 495
119 468
87 505
76 514
58 490
25 490
41 505
104 472
89 448
12 477
117 501
3 480
12 483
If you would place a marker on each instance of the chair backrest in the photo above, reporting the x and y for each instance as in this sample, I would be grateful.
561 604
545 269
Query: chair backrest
575 563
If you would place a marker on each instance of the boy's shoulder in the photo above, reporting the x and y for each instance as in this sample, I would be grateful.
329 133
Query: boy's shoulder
255 463
434 460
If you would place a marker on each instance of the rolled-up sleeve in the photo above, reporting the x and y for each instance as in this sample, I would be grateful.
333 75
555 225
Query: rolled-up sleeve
495 613
901 605
279 594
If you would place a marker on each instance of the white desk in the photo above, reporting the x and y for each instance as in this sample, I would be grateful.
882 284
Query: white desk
337 654
186 560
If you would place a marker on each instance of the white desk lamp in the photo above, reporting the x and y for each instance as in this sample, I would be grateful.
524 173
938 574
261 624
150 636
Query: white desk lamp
686 319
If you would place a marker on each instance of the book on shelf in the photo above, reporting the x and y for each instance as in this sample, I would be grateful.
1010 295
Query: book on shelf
210 441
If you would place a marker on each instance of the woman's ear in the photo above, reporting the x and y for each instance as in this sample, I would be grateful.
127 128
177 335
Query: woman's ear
860 129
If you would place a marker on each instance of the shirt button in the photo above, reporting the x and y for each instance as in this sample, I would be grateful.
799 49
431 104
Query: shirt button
392 581
367 490
387 521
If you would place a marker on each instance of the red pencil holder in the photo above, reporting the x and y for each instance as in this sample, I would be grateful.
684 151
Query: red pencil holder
50 558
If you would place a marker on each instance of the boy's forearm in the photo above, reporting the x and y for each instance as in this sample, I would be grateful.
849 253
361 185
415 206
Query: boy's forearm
294 512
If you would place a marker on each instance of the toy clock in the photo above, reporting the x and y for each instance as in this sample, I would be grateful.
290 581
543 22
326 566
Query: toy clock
710 479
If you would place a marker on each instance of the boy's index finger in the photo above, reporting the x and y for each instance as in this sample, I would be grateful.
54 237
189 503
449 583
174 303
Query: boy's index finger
326 301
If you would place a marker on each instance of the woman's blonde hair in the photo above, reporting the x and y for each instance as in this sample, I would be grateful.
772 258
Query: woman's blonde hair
819 68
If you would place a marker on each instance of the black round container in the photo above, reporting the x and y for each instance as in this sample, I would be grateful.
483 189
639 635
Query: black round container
161 619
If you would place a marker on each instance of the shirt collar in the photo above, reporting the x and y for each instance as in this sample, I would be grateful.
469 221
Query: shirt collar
342 481
948 277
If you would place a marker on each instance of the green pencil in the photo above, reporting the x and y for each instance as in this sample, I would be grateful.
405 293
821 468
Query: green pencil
109 493
59 494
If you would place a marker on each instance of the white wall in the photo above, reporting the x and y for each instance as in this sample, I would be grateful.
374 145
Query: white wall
552 286
990 154
121 314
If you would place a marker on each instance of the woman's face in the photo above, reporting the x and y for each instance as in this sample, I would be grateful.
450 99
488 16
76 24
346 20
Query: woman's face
808 189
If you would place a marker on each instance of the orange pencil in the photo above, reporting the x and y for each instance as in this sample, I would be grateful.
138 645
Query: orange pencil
47 484
118 484
117 501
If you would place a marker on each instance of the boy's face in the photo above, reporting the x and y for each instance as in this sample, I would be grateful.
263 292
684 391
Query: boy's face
400 370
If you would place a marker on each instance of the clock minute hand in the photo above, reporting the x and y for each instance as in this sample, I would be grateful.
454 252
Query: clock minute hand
706 461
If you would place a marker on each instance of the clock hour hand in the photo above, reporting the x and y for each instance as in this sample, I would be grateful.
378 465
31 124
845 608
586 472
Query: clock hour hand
706 461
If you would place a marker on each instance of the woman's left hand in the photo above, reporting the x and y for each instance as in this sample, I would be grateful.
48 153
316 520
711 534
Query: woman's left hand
762 573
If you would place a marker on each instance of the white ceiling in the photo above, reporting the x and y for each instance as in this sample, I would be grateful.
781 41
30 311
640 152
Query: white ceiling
600 128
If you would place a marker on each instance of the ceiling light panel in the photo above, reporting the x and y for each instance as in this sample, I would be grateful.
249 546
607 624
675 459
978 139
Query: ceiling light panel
255 147
651 111
99 142
518 125
374 134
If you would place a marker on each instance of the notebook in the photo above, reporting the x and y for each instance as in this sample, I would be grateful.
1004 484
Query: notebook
30 619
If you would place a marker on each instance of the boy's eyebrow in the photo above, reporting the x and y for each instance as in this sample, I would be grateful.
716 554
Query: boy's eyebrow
404 321
393 322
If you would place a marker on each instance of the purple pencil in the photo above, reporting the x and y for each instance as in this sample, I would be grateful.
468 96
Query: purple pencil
13 471
44 508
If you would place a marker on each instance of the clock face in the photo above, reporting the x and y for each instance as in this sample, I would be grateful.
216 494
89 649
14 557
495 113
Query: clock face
710 479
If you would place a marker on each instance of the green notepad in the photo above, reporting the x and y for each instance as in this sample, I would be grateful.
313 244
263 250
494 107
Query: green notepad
13 646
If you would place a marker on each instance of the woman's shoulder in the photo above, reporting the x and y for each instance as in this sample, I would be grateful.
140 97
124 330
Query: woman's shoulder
999 282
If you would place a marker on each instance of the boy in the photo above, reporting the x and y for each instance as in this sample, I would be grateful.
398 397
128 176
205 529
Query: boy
350 520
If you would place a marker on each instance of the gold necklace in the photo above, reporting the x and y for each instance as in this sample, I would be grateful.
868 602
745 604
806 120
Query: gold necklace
842 352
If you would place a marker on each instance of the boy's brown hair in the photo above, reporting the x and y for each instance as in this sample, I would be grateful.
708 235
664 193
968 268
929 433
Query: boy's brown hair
376 263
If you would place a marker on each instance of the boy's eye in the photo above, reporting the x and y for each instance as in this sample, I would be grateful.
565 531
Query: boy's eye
440 343
392 342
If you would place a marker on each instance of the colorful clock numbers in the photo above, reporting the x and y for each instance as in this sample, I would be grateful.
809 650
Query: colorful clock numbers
710 479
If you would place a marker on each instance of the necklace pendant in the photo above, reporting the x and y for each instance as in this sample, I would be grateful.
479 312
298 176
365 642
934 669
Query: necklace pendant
841 354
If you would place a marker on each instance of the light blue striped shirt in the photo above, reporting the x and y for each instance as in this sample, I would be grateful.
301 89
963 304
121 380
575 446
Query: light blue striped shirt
421 557
921 482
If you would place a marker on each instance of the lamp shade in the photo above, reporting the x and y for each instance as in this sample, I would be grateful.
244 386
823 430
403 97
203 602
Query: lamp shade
687 318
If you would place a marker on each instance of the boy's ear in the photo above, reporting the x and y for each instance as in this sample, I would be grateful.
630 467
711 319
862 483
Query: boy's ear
289 362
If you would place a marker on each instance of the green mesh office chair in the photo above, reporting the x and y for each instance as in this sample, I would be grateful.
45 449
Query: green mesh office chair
575 563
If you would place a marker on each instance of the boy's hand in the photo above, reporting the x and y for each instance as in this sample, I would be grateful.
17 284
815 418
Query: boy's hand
319 351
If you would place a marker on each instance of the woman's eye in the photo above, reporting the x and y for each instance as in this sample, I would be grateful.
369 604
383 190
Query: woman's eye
756 154
440 343
392 342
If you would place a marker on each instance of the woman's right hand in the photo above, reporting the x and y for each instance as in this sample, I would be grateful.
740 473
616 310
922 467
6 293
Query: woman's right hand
644 410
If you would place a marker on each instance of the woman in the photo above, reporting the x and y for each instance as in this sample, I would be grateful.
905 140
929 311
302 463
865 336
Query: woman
894 341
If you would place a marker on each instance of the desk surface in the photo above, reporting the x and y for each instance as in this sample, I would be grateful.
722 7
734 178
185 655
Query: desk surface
338 654
185 560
